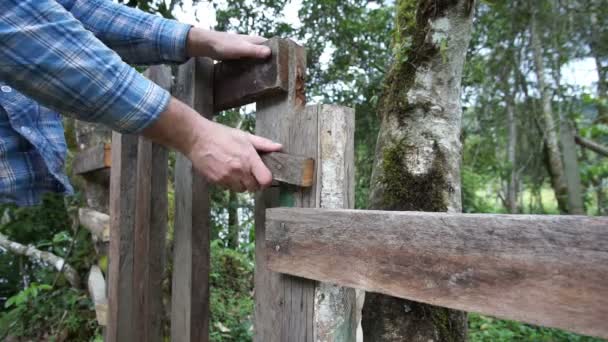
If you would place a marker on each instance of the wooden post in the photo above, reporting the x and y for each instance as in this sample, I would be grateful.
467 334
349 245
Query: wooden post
191 254
151 228
285 308
138 219
122 227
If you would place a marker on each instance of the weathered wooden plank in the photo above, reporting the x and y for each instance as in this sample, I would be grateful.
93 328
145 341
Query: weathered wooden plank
283 309
290 308
191 252
95 222
150 228
336 315
546 270
92 159
240 82
122 227
290 169
97 291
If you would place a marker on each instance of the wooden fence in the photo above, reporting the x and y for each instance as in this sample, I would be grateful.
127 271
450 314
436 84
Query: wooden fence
545 270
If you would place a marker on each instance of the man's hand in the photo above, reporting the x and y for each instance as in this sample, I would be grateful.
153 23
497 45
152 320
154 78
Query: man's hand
229 157
223 45
224 155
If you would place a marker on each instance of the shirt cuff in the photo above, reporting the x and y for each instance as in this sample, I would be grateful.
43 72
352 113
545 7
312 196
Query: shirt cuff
139 104
172 40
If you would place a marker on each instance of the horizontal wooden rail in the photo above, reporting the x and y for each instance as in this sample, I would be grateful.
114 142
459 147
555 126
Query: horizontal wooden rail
290 169
92 159
239 82
546 270
285 168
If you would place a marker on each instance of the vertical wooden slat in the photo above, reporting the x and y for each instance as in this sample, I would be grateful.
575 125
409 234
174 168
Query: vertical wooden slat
279 303
150 228
191 257
290 308
122 229
336 314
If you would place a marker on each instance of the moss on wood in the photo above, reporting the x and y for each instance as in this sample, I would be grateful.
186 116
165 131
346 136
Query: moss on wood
404 190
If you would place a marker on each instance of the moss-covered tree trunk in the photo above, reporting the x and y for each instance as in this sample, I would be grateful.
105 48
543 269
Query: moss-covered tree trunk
417 164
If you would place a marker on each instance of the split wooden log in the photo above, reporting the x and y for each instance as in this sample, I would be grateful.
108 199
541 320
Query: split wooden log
545 270
290 169
95 222
92 159
97 291
239 82
42 256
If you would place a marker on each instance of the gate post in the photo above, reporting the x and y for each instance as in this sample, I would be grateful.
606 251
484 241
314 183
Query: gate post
288 308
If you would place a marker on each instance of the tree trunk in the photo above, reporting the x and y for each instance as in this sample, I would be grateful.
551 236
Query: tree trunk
233 220
512 157
417 162
555 165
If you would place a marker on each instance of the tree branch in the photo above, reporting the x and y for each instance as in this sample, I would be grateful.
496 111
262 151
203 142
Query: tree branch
592 145
46 257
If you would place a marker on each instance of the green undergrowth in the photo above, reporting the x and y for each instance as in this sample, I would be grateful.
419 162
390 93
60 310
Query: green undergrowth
489 329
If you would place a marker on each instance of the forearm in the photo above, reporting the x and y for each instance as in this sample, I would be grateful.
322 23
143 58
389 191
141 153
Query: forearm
177 127
138 37
46 54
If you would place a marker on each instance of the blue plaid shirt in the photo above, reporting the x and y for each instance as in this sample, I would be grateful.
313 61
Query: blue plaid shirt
71 56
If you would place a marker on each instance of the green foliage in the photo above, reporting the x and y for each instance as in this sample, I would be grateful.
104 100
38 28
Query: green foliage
488 329
231 294
40 312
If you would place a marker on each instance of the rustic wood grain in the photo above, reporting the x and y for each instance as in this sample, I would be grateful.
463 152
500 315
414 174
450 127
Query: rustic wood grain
95 222
239 82
191 258
97 291
92 159
284 304
121 319
336 315
290 169
546 270
150 228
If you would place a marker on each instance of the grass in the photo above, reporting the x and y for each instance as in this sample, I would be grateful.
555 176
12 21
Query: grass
489 329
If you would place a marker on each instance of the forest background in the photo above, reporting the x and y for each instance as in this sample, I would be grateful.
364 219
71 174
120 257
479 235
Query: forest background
535 87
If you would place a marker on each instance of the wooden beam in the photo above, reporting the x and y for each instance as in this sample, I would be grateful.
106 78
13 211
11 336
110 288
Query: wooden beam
97 291
291 308
290 169
284 304
239 82
92 159
150 228
121 319
191 246
545 270
95 222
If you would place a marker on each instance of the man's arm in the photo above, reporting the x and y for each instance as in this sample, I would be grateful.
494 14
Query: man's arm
143 38
47 54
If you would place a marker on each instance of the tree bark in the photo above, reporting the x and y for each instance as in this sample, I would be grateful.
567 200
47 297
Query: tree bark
42 256
417 162
555 165
512 156
233 220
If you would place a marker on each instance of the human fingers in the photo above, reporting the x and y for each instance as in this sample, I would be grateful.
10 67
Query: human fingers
254 39
263 144
261 173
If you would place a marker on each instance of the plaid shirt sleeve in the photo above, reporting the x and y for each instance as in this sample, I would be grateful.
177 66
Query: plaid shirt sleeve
138 37
47 54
